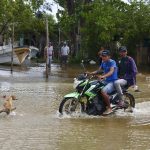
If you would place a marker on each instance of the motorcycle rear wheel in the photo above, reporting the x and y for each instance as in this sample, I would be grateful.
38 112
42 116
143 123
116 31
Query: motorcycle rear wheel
129 101
70 105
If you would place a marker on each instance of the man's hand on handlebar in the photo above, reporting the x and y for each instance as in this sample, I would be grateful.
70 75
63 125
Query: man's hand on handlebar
100 77
90 73
94 74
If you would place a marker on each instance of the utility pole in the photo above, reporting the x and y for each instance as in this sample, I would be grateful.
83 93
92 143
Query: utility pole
40 15
59 35
47 41
12 52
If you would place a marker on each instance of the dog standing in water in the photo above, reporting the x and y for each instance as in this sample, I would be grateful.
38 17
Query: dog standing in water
8 104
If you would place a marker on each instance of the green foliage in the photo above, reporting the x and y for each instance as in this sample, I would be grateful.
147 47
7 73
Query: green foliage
76 59
137 21
23 14
98 22
103 22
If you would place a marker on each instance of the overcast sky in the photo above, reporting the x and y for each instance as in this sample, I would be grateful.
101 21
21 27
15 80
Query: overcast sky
54 7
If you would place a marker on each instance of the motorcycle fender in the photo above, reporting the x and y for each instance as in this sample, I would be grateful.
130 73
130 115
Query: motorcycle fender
74 94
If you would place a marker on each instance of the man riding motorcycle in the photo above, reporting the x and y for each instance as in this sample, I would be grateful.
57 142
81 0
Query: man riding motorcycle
110 75
127 71
94 97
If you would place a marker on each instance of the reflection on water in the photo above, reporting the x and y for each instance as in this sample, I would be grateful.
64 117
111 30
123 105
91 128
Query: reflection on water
4 86
36 124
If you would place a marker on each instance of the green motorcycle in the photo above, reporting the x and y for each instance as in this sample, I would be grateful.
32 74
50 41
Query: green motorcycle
87 98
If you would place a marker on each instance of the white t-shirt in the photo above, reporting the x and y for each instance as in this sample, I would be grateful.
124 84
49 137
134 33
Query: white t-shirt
50 51
65 50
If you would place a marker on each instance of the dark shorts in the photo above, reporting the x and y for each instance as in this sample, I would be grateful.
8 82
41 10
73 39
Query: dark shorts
64 59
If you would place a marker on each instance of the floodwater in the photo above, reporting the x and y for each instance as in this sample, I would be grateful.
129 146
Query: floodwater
36 124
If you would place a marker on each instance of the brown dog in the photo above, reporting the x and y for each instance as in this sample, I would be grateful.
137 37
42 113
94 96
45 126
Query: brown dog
8 105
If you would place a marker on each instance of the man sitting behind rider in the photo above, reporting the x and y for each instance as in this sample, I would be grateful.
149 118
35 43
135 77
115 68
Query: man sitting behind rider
127 71
110 75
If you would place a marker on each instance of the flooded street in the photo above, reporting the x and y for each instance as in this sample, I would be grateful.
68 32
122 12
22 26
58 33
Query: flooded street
36 124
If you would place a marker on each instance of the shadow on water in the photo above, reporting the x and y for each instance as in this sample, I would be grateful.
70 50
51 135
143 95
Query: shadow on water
35 124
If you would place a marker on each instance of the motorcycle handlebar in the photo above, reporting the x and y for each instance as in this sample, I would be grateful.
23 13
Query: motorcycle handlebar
92 76
89 75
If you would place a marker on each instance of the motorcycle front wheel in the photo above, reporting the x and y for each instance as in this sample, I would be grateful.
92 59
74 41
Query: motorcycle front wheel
70 105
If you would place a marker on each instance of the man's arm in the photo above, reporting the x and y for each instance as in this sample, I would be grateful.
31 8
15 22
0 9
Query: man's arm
133 66
109 73
68 50
97 71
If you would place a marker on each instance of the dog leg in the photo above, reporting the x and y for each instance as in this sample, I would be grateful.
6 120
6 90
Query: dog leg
2 110
13 108
7 111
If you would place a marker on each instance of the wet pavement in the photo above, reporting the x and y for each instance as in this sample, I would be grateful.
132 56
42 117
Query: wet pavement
36 124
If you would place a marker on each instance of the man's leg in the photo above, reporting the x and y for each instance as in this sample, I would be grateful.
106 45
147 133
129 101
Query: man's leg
61 60
49 62
66 58
105 91
106 99
118 86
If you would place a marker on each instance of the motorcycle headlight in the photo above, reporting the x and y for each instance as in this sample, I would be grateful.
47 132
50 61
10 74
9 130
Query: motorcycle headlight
76 83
